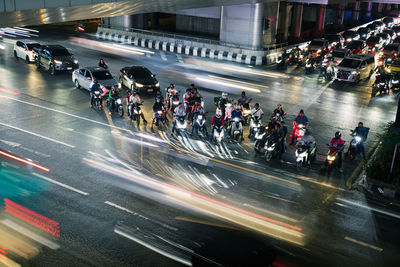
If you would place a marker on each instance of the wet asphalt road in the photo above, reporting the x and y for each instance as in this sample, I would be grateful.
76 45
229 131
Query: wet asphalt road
124 196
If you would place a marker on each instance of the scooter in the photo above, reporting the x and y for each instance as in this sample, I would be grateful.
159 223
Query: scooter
159 118
180 124
395 82
380 85
331 158
309 67
200 124
219 134
97 100
270 148
174 103
116 106
135 115
254 126
305 153
280 63
236 130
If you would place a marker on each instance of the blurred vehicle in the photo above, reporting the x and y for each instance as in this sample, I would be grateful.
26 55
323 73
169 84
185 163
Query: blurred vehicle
390 51
350 36
396 29
388 22
374 44
395 66
381 85
357 47
54 58
391 33
355 68
316 46
379 24
24 49
334 39
385 37
338 55
84 77
139 78
2 47
364 33
395 82
373 27
396 16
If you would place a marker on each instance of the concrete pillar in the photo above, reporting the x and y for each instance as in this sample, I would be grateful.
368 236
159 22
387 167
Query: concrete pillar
271 13
297 20
127 21
283 21
321 12
356 11
242 25
340 14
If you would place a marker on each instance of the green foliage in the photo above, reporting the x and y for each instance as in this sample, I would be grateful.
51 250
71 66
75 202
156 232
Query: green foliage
379 168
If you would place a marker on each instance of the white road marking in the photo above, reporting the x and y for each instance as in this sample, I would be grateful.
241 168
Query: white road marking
397 216
363 244
37 135
30 234
163 57
159 251
139 215
88 135
68 114
12 144
60 184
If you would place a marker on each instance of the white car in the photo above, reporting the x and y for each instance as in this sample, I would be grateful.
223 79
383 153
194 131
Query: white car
24 49
84 77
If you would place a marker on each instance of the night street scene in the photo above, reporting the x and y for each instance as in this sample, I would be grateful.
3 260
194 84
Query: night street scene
200 133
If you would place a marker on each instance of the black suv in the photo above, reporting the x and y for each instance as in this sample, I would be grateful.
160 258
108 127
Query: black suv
55 58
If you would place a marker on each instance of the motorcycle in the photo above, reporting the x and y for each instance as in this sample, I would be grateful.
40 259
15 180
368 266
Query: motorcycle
300 62
246 111
159 117
200 124
236 130
395 82
181 124
305 153
280 63
171 98
354 146
97 100
299 131
270 148
116 106
261 137
331 158
309 67
174 103
219 134
326 72
380 85
292 59
255 125
135 115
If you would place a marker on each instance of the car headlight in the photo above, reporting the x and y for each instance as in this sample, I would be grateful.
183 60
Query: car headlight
76 61
57 61
157 84
354 72
139 85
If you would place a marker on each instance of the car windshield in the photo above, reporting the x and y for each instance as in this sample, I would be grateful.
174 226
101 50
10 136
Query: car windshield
350 63
390 48
317 43
60 52
339 54
31 46
139 73
373 40
102 75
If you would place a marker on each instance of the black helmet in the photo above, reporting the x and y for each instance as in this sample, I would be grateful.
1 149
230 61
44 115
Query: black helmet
338 134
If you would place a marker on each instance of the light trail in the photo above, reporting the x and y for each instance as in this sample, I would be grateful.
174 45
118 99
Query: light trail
43 168
229 85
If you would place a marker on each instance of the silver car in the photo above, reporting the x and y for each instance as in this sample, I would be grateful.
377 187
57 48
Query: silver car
84 77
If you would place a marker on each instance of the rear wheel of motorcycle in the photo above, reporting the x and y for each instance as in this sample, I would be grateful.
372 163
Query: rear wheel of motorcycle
98 105
299 164
120 111
138 121
268 156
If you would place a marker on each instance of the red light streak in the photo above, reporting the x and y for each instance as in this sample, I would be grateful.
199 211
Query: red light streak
32 217
24 161
238 209
3 250
9 91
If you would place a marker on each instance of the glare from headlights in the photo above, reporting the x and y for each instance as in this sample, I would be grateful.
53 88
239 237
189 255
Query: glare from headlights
76 61
157 84
139 85
57 61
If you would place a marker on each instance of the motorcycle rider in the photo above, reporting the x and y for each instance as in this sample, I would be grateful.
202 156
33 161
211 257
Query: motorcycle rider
257 111
338 143
243 100
284 133
157 106
276 136
217 120
102 64
178 112
221 101
134 100
362 132
95 86
237 113
309 141
280 111
300 119
198 111
112 96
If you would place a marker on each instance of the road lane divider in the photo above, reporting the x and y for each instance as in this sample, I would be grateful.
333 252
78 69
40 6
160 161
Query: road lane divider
37 135
394 215
363 244
60 184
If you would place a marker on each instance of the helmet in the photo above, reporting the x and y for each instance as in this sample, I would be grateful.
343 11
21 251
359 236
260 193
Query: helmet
224 95
279 106
238 108
218 113
172 85
192 85
243 93
338 135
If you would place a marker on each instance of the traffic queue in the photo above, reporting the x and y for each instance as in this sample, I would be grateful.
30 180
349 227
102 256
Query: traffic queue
354 55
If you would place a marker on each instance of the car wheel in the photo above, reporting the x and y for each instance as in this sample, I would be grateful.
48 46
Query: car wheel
15 54
37 63
77 85
357 79
27 59
52 70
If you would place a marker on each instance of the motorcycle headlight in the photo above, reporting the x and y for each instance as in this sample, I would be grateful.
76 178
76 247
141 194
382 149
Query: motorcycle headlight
96 92
395 81
278 61
200 117
259 136
182 125
159 112
308 65
271 148
136 112
139 85
119 101
236 119
358 139
76 61
258 125
175 103
157 84
349 39
331 157
376 45
58 62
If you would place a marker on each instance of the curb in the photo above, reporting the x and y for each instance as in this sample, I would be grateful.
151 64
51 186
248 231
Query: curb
179 48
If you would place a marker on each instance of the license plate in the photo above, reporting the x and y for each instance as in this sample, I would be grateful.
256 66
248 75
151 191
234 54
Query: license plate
69 68
149 90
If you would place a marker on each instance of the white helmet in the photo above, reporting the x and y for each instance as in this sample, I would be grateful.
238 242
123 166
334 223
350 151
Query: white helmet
218 113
